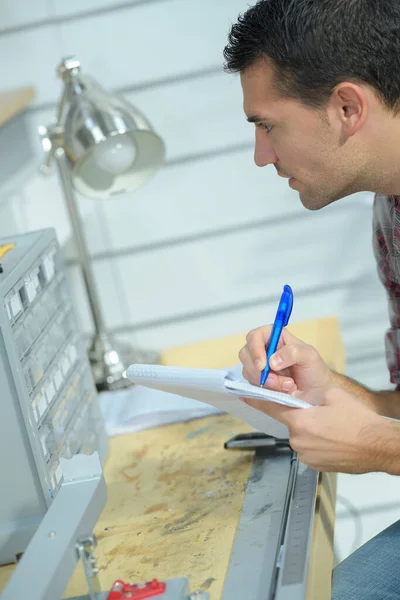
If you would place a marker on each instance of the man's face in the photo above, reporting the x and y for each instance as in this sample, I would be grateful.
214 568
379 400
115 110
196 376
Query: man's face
299 141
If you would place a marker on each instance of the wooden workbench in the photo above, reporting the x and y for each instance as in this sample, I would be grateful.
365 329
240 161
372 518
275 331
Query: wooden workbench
13 102
175 495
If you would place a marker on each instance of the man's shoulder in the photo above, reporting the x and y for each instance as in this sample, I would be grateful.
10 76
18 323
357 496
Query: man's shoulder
386 224
385 208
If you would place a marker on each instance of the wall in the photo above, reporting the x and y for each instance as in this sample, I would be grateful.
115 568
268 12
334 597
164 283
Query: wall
204 249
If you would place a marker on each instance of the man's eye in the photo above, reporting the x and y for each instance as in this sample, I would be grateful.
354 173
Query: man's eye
267 128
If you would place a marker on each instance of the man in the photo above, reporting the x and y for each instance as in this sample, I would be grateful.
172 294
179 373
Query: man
321 83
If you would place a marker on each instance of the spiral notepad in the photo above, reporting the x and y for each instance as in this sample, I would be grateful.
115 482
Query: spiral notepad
219 388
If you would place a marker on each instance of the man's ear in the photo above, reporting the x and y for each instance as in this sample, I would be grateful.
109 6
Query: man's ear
349 106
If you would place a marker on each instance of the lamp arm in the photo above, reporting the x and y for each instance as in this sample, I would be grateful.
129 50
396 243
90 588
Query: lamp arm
79 238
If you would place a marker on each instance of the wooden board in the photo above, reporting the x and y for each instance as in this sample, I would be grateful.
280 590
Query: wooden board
323 333
174 499
14 102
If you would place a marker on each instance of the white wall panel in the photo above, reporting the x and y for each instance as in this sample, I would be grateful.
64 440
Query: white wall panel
42 205
197 115
22 12
243 266
9 216
201 196
371 371
111 299
211 194
152 40
79 8
355 530
30 58
386 490
374 500
235 320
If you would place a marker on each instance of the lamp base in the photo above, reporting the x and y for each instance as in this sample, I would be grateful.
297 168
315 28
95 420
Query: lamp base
110 359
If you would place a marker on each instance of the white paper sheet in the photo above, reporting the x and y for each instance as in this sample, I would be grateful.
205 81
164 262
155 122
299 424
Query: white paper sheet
136 408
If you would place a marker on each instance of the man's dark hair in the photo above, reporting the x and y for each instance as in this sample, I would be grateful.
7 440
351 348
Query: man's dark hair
316 44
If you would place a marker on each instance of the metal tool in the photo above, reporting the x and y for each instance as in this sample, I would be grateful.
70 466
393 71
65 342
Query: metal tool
86 546
269 559
256 440
170 589
174 589
52 553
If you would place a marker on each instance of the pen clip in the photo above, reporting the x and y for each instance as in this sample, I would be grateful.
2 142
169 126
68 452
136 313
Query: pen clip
289 298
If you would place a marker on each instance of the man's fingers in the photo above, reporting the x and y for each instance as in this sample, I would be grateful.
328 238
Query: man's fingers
294 354
276 411
258 339
250 371
277 383
252 378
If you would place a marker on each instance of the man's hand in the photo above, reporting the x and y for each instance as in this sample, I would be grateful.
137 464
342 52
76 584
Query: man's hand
342 435
294 366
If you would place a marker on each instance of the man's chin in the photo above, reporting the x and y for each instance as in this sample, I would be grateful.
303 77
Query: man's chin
310 205
314 203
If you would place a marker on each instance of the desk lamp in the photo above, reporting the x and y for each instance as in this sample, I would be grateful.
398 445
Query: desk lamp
102 147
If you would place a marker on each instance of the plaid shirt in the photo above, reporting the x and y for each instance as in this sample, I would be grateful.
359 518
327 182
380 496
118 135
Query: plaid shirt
387 252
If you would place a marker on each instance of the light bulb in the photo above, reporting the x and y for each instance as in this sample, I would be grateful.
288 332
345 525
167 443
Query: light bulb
115 155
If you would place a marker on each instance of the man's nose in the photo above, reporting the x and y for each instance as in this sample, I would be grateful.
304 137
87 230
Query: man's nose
263 152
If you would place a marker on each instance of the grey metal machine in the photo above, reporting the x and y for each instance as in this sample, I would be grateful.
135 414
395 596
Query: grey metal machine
48 398
53 489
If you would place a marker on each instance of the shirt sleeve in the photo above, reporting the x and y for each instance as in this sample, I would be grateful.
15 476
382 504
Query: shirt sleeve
386 254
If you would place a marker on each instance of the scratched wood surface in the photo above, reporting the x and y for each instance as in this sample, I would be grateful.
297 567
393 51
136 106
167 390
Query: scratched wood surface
174 498
175 495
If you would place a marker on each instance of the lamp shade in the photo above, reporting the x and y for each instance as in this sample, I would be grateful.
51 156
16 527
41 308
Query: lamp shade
110 145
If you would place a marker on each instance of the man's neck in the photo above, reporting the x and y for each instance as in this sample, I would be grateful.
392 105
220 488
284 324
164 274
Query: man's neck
387 160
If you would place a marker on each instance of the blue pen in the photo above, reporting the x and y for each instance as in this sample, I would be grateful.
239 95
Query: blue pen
281 320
